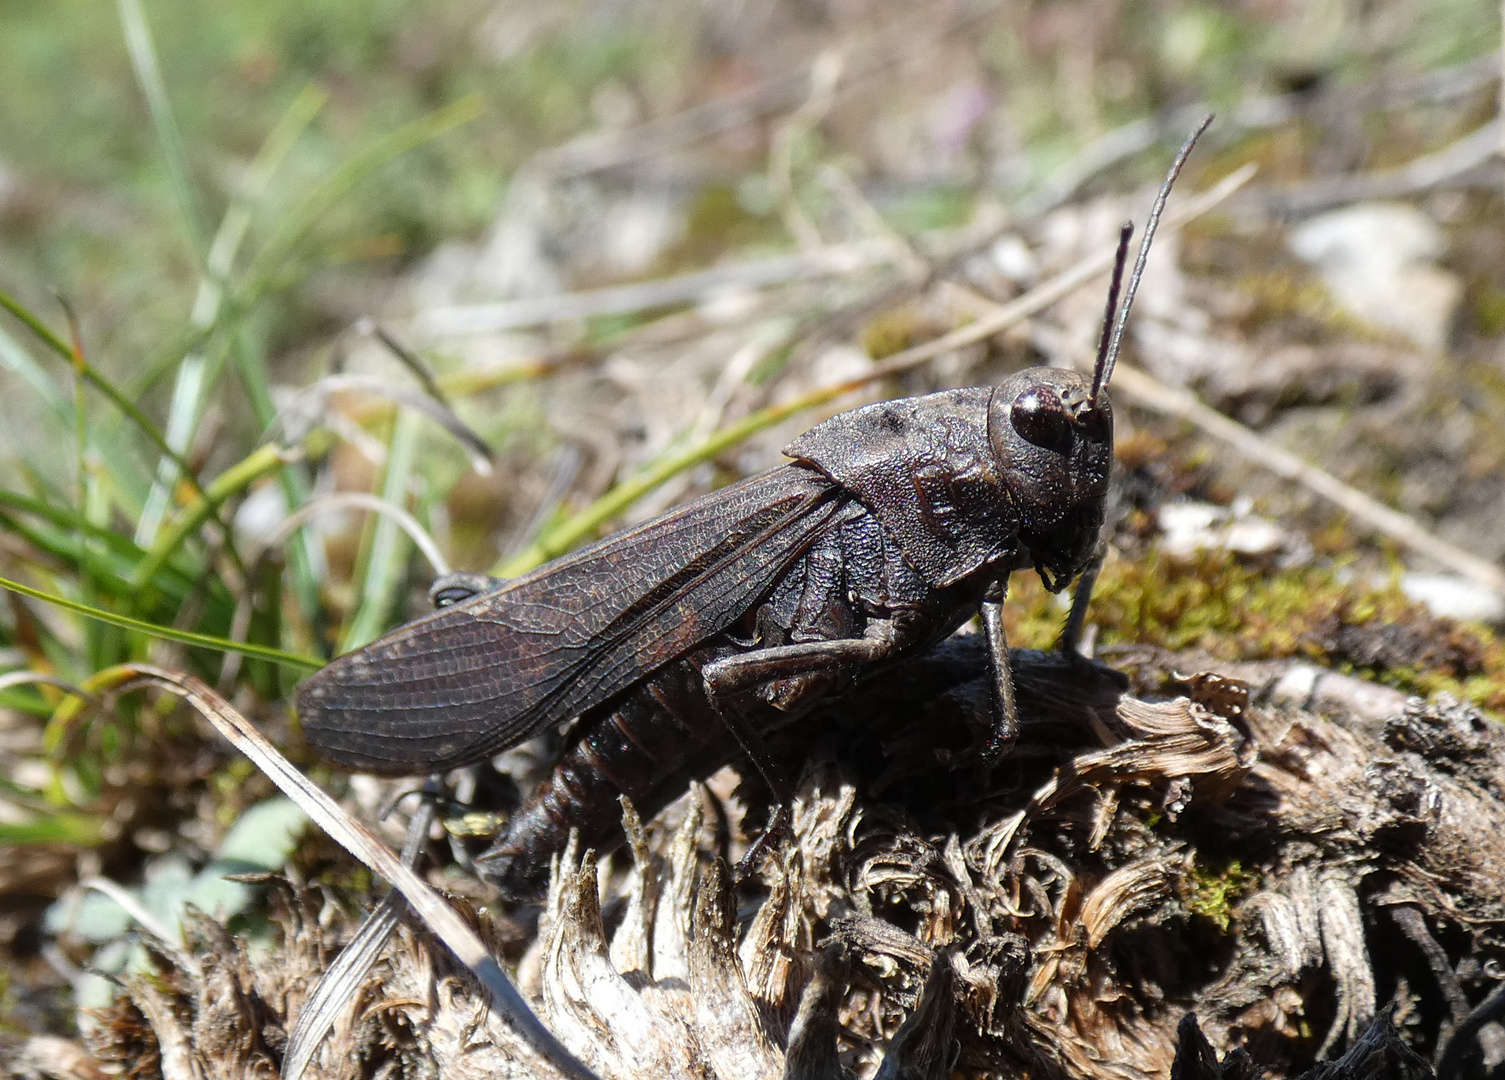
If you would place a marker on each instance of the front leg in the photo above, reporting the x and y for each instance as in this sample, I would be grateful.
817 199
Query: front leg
1005 714
1071 635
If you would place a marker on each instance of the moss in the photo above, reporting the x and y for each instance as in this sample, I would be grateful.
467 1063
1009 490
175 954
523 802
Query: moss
1488 308
1235 610
1294 295
894 331
1280 153
937 207
717 222
1214 893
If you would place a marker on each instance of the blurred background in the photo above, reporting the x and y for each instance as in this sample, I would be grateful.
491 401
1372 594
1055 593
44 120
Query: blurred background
529 270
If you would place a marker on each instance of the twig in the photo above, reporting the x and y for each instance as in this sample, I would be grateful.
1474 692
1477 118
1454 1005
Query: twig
914 265
1413 924
1150 393
1042 296
1423 174
1464 1040
461 319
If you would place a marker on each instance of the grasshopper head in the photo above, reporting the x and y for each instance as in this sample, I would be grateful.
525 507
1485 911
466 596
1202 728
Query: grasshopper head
1053 443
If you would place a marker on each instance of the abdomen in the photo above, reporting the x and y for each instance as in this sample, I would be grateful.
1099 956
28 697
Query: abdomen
629 747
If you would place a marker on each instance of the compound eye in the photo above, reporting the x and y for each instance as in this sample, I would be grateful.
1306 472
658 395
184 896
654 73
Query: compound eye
1039 415
460 585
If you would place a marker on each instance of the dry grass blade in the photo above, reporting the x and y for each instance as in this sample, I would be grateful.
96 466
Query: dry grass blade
410 359
1448 165
461 319
240 623
133 907
599 152
825 74
1390 91
313 400
437 915
342 979
364 500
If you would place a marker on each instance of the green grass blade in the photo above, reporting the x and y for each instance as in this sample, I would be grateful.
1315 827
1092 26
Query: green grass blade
100 383
387 555
260 462
164 633
143 54
18 362
82 367
584 525
32 704
297 223
65 827
198 372
268 263
96 637
105 570
71 521
305 557
304 560
111 572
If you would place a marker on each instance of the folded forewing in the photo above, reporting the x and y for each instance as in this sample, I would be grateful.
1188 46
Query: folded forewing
470 680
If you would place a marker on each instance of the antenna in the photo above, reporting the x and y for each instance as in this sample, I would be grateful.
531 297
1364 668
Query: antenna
1120 260
1105 367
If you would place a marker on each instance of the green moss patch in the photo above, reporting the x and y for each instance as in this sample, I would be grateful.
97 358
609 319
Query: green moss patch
1236 610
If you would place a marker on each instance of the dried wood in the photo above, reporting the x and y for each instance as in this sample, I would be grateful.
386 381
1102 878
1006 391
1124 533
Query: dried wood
1307 882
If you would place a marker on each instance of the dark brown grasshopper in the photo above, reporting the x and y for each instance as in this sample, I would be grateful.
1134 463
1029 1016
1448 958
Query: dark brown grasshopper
894 525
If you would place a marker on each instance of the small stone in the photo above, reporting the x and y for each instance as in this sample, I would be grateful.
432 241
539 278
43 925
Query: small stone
1378 262
1189 527
1455 597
